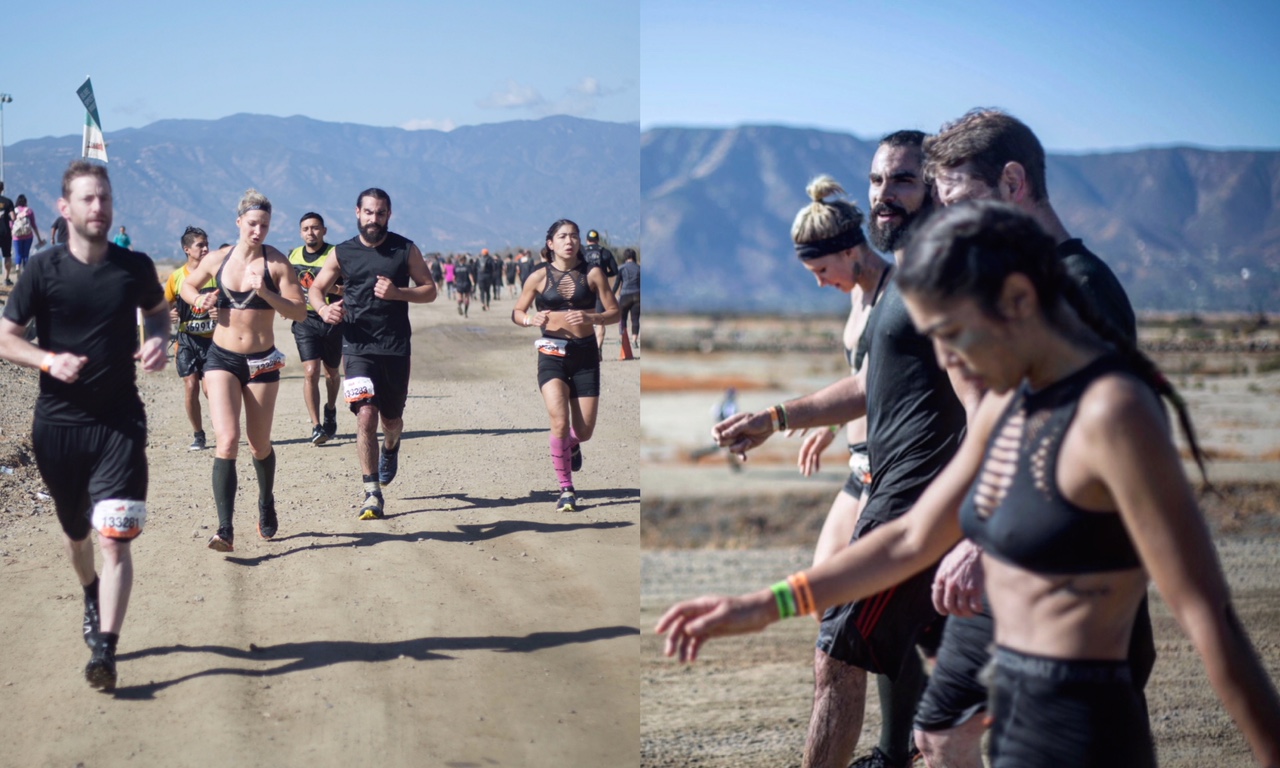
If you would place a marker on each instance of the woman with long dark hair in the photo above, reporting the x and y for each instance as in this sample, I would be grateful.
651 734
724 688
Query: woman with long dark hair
565 292
1070 482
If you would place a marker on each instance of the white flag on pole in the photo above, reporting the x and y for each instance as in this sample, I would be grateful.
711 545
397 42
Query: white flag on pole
95 146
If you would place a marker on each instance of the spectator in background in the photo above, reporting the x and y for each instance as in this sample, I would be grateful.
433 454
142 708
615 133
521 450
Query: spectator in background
596 255
628 290
6 234
25 230
58 231
122 239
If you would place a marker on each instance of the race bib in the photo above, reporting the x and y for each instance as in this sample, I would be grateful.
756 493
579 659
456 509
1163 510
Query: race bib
119 518
357 389
553 347
272 362
201 327
860 464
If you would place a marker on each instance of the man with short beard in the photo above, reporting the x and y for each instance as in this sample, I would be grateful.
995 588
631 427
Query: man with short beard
375 267
89 434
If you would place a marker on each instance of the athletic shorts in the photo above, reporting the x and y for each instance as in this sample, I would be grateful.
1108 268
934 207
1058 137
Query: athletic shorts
83 465
192 352
877 633
859 481
378 380
318 340
579 367
1056 712
242 366
6 247
463 289
955 694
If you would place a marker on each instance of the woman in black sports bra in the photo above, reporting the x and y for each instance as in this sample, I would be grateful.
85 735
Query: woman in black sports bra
254 282
1070 481
565 293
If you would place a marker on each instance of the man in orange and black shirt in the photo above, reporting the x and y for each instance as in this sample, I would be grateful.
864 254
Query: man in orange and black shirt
318 341
195 329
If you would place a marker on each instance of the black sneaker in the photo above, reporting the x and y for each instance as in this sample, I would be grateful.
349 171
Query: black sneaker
372 509
92 622
575 458
222 541
101 669
568 502
267 518
388 464
198 444
330 420
877 759
318 435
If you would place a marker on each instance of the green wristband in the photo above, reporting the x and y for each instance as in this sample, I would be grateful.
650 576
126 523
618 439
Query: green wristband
786 599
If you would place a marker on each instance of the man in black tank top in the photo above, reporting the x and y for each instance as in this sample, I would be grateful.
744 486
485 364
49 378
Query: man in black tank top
988 154
376 267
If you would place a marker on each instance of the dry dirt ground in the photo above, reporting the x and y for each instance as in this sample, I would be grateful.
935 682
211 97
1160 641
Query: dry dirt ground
745 703
475 626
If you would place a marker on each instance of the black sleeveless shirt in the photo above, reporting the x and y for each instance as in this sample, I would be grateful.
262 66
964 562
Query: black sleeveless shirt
1015 510
374 326
566 290
229 299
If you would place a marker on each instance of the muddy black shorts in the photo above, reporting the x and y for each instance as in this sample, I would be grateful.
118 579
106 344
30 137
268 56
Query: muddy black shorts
318 340
83 465
579 367
378 380
1055 712
244 366
877 633
192 353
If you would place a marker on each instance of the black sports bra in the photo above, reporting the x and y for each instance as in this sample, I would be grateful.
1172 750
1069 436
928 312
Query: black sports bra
566 290
229 299
1015 511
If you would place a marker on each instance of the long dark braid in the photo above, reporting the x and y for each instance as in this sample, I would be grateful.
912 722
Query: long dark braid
970 248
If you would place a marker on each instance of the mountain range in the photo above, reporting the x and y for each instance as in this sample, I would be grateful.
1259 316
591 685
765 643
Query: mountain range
1183 228
484 186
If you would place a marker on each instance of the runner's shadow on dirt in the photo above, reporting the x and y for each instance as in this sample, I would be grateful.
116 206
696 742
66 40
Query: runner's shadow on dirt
465 534
317 654
587 500
415 434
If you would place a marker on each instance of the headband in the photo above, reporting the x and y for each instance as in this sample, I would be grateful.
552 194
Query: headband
841 242
257 207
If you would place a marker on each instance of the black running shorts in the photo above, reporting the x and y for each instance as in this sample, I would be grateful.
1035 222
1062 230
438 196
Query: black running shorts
236 363
192 352
579 368
83 465
318 340
1055 712
954 693
877 633
378 380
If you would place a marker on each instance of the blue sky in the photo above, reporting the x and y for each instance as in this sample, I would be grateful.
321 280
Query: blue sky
1085 75
423 64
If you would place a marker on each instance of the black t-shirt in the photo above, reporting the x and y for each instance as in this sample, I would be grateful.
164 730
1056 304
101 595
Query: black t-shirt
6 226
484 271
90 310
1100 286
510 268
599 256
59 232
437 272
914 420
526 268
374 326
463 274
630 274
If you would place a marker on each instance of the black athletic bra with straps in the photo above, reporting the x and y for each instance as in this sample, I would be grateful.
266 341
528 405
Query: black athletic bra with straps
1015 510
566 290
229 299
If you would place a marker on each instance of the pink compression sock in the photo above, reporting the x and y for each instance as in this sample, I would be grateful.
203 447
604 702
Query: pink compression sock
560 450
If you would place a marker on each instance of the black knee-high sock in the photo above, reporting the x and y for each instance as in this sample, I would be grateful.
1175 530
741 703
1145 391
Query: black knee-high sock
898 700
224 490
266 471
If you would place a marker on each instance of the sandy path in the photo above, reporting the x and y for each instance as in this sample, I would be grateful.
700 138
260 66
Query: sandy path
474 627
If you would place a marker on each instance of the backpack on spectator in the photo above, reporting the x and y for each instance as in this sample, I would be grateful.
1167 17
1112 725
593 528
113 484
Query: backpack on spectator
22 225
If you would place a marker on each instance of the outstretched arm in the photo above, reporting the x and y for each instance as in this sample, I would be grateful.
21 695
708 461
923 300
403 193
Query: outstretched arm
837 403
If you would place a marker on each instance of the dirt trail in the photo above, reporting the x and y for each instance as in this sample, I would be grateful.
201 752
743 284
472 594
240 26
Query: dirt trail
475 626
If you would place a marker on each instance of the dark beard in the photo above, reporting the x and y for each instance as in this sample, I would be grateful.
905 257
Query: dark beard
888 238
373 233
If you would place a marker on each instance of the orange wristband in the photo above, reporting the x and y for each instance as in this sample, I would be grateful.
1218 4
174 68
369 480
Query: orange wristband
47 361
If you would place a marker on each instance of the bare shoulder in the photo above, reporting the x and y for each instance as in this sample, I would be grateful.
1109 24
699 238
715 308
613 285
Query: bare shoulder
1119 404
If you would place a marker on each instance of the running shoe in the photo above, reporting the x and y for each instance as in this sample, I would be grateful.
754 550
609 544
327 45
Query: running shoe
459 309
318 435
372 509
101 669
267 518
388 464
568 501
575 458
198 444
330 421
91 622
878 759
222 541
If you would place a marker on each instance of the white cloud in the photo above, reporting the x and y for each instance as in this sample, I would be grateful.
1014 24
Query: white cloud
513 95
429 124
579 99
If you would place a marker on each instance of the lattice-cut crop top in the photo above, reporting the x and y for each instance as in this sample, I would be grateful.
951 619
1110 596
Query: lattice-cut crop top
229 299
566 290
1015 511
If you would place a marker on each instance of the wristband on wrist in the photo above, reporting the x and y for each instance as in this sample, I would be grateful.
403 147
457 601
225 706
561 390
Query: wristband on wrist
799 584
773 418
785 598
526 320
834 428
47 362
780 416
